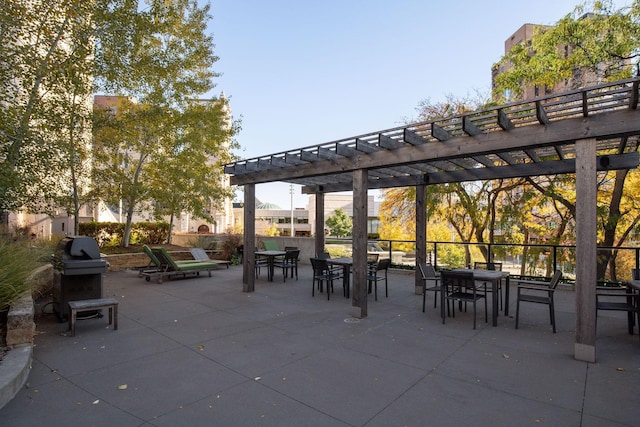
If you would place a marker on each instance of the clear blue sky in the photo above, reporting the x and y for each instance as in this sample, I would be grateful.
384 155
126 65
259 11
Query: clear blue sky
302 72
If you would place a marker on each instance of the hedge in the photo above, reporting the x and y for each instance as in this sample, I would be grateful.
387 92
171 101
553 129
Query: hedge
112 233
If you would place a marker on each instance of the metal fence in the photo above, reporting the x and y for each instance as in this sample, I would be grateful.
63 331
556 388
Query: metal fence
532 260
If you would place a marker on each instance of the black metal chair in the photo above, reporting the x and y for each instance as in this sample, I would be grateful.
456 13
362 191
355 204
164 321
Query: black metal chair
374 275
539 292
323 272
289 262
259 262
494 266
621 298
460 286
429 274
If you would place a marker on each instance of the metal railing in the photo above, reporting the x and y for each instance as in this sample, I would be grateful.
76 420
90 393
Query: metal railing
530 260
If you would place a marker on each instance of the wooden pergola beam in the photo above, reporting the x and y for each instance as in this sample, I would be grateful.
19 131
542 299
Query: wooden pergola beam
518 170
439 133
469 127
504 121
618 123
541 115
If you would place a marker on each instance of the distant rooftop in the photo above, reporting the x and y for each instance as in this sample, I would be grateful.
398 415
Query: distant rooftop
268 205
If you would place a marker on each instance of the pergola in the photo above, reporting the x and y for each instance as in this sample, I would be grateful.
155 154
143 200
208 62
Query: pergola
582 132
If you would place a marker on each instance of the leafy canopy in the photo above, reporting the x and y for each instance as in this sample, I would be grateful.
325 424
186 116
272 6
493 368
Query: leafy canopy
339 224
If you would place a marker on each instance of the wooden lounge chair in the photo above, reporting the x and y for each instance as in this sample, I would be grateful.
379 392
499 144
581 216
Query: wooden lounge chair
168 267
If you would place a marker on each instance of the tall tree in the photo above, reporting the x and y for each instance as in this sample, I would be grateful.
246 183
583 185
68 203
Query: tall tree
125 141
592 44
192 178
45 87
164 63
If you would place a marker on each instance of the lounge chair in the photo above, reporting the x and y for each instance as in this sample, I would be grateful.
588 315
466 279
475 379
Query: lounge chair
168 267
155 265
200 255
270 245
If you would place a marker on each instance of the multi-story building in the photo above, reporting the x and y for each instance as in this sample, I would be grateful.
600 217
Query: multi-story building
269 215
522 35
580 78
332 202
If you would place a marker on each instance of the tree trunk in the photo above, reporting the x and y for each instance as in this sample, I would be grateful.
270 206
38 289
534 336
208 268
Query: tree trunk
525 251
127 227
610 226
171 218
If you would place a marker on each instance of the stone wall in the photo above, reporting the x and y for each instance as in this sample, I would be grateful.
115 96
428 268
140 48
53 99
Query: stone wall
132 261
20 324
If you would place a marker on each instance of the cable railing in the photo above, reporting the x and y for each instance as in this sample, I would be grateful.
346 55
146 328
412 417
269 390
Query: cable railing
521 260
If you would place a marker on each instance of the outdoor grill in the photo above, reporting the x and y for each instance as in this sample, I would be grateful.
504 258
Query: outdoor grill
77 274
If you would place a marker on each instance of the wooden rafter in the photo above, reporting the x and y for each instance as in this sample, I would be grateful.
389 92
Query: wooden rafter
457 147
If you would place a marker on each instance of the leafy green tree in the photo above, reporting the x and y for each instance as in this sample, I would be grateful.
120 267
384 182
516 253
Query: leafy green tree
186 181
601 44
163 63
124 144
46 88
339 224
593 43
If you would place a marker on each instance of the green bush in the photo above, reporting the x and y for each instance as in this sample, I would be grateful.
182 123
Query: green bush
112 233
17 263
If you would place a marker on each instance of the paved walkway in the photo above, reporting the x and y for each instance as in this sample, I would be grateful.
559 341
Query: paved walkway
200 352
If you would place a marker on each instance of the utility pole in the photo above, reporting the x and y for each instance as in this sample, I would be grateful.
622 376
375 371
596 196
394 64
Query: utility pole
291 192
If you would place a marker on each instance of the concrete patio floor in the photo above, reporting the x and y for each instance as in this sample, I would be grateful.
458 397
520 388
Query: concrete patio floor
200 352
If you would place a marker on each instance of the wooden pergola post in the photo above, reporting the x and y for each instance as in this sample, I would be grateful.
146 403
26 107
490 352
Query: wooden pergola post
421 234
586 250
359 294
249 242
319 233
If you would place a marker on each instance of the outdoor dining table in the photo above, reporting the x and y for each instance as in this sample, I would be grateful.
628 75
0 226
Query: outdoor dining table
271 256
633 287
493 276
633 284
346 264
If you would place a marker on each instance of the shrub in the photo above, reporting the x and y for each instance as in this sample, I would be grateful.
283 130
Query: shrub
229 246
112 233
17 263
